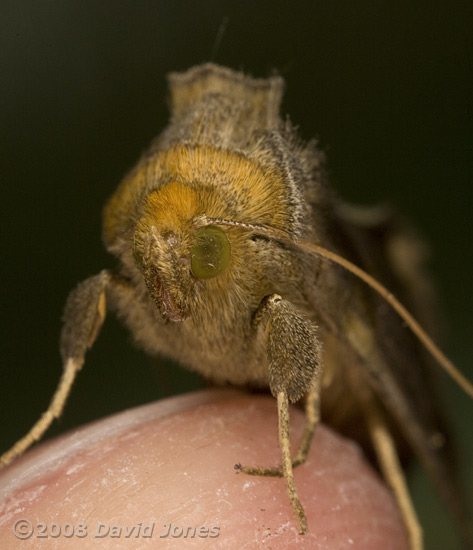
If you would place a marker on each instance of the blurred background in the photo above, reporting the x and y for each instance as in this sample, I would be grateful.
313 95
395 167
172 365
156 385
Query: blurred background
386 87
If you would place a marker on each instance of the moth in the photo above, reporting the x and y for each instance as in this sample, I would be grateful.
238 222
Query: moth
237 259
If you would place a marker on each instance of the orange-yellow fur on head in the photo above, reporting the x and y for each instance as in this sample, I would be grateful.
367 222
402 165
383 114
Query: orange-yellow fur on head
168 210
260 192
187 180
170 207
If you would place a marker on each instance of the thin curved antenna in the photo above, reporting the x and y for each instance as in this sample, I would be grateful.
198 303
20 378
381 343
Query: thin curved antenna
410 321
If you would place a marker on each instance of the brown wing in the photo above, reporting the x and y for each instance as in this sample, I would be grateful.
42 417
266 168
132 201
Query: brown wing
404 378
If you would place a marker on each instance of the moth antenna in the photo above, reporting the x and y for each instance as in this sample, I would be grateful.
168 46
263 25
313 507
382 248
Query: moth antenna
317 250
421 334
218 39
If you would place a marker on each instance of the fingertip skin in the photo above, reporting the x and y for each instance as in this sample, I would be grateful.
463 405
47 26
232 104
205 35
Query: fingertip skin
163 476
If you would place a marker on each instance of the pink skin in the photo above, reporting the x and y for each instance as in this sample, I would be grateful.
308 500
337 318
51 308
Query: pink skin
172 462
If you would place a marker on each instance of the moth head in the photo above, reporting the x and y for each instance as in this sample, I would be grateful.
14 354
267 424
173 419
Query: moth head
177 251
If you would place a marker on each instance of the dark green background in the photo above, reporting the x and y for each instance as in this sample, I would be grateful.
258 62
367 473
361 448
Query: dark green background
386 86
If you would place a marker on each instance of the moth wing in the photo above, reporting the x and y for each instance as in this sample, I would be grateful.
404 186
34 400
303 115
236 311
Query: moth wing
405 378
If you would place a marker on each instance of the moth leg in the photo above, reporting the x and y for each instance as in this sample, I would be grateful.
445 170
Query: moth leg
285 444
312 419
54 410
286 468
386 453
293 351
83 316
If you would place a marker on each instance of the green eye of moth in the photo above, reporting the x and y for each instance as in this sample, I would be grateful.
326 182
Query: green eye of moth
211 252
229 219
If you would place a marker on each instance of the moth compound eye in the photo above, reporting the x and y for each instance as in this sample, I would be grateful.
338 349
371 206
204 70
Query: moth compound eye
211 252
